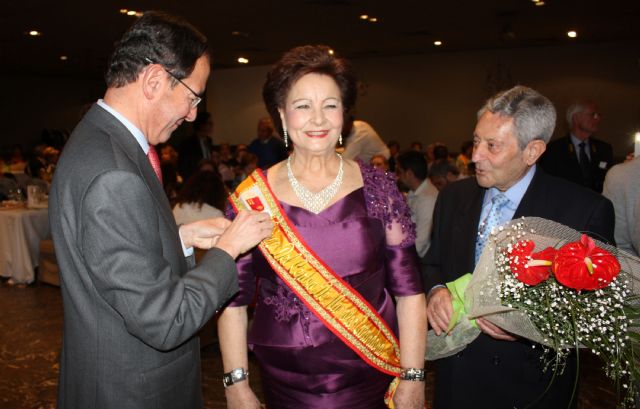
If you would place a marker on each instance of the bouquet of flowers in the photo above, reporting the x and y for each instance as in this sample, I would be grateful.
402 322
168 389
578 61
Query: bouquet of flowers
548 283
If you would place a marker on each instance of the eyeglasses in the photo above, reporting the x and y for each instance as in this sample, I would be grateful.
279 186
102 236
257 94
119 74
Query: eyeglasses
196 98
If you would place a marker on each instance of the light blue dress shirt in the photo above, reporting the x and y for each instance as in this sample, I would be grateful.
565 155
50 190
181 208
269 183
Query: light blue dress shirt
514 194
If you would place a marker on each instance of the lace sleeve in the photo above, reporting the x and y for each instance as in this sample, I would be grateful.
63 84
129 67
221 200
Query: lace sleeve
385 202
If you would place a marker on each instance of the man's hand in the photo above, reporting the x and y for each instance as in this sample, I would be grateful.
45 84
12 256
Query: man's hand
247 230
494 331
203 234
439 309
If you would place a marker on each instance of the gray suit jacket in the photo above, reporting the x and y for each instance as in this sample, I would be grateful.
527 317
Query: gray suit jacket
132 301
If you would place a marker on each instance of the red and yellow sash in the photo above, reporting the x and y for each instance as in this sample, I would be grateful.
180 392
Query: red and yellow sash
341 308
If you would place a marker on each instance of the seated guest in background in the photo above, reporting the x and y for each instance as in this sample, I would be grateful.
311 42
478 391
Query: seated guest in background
379 162
417 146
37 163
353 219
361 141
17 161
248 163
170 182
498 370
171 179
579 156
8 185
224 169
394 151
197 146
443 173
269 148
430 152
464 157
622 187
440 153
411 169
203 196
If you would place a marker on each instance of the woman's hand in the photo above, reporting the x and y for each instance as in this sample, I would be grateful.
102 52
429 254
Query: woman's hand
241 396
409 395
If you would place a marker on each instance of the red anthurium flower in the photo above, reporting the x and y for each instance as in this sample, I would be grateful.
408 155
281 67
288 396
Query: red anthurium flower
583 266
529 267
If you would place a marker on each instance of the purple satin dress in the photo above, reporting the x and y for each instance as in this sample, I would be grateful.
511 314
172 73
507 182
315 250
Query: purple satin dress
368 239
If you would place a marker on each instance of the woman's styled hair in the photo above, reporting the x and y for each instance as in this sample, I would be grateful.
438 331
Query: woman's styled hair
296 63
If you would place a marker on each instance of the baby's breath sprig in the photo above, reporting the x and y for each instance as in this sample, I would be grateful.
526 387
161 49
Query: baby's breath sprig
606 321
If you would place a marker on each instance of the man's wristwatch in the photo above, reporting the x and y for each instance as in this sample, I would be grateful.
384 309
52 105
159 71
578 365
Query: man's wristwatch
412 374
235 376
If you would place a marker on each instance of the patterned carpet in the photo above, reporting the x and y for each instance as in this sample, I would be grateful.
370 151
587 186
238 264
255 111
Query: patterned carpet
30 337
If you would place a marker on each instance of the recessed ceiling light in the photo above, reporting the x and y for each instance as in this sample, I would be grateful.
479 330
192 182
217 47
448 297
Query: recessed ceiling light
35 33
63 58
572 34
243 60
364 17
437 43
131 12
373 19
331 52
539 3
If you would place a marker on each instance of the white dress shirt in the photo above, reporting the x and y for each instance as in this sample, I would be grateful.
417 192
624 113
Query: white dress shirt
421 203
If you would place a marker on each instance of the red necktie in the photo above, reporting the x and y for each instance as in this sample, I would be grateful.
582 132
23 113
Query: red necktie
155 162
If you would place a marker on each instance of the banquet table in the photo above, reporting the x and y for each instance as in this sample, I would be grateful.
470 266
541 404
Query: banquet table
21 230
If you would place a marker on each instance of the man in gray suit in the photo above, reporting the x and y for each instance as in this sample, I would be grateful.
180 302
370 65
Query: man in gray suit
133 296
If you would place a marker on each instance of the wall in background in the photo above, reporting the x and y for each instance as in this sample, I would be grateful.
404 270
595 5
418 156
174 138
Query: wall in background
435 97
423 98
29 105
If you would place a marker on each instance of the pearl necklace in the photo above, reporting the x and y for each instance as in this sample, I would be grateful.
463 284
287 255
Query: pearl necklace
315 202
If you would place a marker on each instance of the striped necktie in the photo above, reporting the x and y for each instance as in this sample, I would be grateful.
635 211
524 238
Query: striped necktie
492 221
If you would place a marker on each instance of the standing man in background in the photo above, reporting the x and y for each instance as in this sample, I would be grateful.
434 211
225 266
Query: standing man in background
133 297
579 157
196 147
411 168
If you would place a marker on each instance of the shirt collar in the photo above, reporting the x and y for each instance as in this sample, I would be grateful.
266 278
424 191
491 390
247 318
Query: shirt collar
576 142
423 187
137 133
515 192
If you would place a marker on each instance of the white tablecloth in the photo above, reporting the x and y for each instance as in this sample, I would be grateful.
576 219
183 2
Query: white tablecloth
20 233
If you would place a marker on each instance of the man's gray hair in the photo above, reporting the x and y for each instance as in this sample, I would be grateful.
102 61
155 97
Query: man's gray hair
575 108
534 116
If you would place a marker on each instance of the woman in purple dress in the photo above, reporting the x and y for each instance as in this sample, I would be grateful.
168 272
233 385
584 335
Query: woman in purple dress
356 222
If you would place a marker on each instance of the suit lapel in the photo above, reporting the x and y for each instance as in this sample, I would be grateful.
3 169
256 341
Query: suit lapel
468 225
530 198
132 149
